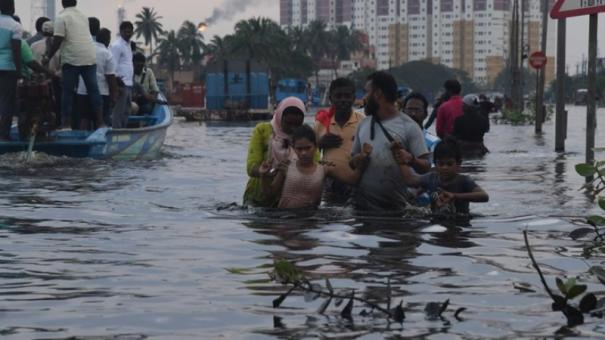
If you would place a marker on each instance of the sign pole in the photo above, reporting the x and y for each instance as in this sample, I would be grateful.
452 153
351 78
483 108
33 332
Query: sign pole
561 120
591 114
542 73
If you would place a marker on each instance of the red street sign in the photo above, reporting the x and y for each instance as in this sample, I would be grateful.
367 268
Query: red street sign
538 60
572 8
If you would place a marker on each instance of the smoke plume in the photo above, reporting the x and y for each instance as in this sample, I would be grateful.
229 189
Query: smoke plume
231 8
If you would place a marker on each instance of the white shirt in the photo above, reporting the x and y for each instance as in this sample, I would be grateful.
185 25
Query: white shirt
10 30
122 53
78 48
105 66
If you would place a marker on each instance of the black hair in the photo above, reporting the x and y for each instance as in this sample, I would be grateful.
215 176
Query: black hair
417 96
292 110
133 46
7 7
139 57
69 3
386 83
342 83
126 25
104 36
94 25
448 148
39 22
17 18
452 86
304 131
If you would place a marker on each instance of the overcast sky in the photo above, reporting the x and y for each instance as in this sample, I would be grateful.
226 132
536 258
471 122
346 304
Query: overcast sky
174 12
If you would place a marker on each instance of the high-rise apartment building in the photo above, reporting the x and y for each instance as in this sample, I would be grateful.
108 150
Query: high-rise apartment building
472 35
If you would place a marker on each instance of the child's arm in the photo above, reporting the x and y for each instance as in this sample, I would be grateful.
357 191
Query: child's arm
402 158
478 195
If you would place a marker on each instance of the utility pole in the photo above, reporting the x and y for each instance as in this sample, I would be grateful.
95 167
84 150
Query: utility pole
542 72
515 55
591 104
561 119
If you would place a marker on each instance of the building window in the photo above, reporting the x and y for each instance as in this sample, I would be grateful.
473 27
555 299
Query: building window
480 5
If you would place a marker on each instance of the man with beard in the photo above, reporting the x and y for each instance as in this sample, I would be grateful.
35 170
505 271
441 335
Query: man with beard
385 131
335 130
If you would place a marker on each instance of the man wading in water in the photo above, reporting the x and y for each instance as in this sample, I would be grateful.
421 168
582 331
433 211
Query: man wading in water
382 186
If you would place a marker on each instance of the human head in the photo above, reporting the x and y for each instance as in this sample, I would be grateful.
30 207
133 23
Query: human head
104 37
342 95
138 60
289 115
452 87
94 25
470 103
17 18
7 7
448 158
383 91
39 22
69 3
48 29
304 143
416 106
482 97
126 30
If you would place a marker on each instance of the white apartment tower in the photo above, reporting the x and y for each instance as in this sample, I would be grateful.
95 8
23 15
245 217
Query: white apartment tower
472 35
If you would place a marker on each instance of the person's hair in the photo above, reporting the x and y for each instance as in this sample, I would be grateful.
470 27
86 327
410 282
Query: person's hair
7 7
304 131
133 46
448 148
69 3
342 83
385 83
452 86
126 25
417 96
104 36
292 110
17 18
482 97
94 25
39 22
139 57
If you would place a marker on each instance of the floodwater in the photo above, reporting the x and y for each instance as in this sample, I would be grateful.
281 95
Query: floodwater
97 250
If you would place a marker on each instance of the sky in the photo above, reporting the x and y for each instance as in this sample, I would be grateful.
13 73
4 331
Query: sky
174 12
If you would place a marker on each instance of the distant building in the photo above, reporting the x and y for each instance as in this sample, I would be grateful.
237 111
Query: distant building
472 35
51 9
121 15
43 8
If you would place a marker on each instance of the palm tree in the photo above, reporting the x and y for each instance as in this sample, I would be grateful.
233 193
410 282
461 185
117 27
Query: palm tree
220 48
169 53
148 25
191 43
318 40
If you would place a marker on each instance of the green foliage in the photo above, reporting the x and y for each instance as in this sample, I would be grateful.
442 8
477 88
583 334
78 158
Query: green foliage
148 25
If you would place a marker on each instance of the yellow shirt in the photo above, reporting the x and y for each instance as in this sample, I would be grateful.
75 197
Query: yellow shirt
341 156
77 48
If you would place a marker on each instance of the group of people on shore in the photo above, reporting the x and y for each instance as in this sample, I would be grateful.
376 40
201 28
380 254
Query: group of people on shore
95 83
379 160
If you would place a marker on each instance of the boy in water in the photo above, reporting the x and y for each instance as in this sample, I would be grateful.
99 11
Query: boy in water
301 181
452 191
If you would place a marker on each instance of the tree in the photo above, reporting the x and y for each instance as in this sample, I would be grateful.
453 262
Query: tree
318 39
148 25
169 53
191 44
503 81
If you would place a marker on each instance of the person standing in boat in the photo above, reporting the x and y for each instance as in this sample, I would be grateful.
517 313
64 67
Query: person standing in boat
41 48
10 65
381 187
335 129
72 36
272 141
122 54
106 78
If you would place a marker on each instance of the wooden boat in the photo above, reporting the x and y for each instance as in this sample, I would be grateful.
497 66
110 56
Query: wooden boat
141 142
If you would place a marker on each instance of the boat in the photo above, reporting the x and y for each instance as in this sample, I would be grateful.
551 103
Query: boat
141 142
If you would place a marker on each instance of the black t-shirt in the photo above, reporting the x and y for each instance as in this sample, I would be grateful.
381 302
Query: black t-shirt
471 127
461 184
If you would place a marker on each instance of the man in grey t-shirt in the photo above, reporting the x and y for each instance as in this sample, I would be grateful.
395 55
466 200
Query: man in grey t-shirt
382 187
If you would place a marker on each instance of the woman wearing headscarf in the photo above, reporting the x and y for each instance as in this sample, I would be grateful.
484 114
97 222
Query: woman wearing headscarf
271 141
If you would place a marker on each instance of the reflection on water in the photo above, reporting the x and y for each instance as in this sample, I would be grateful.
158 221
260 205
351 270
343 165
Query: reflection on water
155 249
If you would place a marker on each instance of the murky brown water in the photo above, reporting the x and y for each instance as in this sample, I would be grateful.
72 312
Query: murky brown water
137 250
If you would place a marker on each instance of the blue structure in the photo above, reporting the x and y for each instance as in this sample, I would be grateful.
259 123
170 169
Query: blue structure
120 144
291 88
237 85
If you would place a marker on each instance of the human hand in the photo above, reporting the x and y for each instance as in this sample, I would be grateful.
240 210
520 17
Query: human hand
367 149
264 168
445 198
330 141
283 166
402 157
